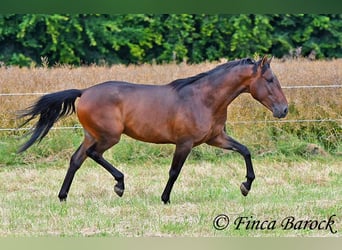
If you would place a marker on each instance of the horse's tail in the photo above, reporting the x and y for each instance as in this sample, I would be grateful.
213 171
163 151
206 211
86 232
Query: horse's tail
50 108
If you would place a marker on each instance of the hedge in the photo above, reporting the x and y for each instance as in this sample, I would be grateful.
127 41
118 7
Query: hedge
81 39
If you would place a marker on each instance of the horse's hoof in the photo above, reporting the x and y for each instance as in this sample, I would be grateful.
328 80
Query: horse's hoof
165 199
244 190
62 200
166 202
119 191
62 197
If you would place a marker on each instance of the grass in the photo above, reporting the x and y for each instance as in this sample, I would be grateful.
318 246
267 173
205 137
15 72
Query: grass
30 206
306 188
297 165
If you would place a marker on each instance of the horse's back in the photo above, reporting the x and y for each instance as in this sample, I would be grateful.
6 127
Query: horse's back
143 112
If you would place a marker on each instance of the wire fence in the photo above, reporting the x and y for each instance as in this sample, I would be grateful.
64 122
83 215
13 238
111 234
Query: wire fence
283 87
231 123
313 86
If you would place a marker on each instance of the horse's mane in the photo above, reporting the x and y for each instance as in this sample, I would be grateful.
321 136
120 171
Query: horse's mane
180 83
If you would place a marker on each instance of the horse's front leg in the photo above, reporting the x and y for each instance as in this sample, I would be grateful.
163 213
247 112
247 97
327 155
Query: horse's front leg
226 142
179 157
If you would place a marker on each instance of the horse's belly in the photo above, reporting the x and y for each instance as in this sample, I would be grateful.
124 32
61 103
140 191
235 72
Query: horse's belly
148 133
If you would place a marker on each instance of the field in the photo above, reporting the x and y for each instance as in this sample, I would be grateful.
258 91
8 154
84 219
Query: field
297 163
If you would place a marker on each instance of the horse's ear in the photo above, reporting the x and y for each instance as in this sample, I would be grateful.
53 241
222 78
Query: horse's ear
269 61
263 61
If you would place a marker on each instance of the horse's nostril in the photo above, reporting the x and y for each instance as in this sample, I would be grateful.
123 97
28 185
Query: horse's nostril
281 111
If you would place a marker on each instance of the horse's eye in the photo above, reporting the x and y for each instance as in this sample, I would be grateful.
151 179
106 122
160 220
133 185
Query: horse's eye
269 80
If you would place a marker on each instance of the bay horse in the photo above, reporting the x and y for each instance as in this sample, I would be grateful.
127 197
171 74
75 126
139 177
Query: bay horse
186 112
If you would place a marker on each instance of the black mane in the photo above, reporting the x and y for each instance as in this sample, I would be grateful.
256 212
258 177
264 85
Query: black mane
180 83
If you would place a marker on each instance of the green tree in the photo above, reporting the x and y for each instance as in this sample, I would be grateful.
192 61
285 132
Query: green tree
138 38
319 33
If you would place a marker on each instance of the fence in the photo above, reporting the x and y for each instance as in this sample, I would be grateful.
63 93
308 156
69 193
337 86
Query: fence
232 123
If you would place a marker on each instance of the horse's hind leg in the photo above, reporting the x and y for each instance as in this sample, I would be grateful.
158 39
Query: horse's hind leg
75 163
95 152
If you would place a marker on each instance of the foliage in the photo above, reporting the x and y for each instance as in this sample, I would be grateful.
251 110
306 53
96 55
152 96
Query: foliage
79 39
319 33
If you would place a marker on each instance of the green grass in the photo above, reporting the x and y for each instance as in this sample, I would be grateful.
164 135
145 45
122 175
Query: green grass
287 184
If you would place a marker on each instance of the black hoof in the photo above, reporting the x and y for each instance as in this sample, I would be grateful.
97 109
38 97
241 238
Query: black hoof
166 202
244 190
119 191
165 199
62 198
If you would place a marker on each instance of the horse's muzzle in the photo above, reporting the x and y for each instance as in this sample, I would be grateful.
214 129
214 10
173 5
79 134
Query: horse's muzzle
280 111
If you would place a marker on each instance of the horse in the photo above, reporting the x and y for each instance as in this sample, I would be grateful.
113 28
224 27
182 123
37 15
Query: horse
186 112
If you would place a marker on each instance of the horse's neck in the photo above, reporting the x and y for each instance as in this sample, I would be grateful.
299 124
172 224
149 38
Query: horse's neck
223 90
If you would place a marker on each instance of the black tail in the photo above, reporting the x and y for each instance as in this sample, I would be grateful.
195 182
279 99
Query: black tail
50 108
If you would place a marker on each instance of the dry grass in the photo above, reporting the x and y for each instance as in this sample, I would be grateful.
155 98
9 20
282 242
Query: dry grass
41 80
294 72
304 103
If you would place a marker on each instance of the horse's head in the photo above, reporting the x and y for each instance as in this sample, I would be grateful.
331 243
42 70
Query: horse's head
265 88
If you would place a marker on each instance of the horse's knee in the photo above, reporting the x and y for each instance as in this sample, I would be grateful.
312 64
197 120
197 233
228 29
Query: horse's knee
75 163
245 151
